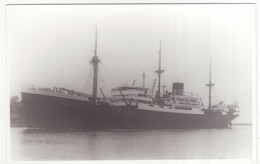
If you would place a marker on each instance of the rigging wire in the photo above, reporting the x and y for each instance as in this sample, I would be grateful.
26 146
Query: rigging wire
102 81
204 97
75 82
215 96
164 83
88 83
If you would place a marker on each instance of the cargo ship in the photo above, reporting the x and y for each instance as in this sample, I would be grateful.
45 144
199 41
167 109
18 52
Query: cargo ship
128 107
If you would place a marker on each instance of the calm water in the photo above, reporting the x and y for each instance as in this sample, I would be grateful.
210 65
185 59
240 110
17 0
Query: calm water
131 144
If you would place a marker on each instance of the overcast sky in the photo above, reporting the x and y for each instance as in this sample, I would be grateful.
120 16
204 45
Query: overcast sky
52 45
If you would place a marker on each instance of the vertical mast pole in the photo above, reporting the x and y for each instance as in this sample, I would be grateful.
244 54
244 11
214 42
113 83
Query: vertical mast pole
163 86
159 71
143 75
95 60
96 42
159 74
210 85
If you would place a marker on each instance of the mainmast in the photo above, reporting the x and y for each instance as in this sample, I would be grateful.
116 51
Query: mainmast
95 60
210 85
159 71
143 75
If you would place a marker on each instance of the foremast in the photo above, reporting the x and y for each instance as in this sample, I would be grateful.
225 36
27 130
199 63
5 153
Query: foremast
159 72
210 85
95 60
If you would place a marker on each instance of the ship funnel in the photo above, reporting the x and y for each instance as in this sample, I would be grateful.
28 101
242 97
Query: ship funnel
177 88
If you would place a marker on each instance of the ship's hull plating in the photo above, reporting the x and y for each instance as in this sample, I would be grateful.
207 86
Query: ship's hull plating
55 112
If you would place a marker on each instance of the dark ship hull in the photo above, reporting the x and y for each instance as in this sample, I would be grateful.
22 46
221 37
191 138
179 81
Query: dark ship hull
52 112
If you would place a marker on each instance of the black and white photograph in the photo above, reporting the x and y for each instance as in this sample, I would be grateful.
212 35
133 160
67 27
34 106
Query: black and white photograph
131 81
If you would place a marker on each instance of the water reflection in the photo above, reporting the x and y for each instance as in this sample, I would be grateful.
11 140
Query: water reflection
42 144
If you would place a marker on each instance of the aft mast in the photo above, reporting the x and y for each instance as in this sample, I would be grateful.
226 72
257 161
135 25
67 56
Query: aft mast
95 60
159 72
210 85
143 75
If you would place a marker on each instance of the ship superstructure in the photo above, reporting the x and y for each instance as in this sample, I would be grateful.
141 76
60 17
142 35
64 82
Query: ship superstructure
185 110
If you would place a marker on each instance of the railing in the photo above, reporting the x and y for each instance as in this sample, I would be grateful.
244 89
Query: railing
59 90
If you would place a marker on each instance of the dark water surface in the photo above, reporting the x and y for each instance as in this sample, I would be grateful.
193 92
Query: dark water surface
33 144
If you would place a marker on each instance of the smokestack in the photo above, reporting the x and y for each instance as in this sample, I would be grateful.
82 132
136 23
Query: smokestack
177 88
